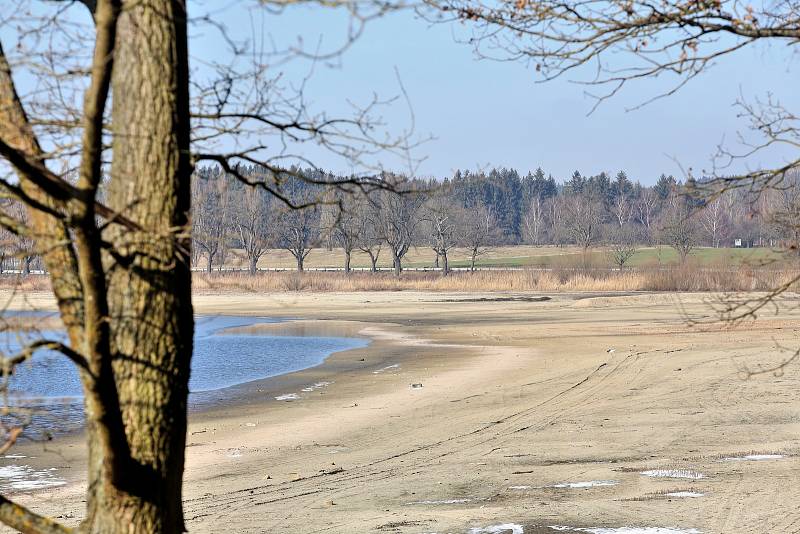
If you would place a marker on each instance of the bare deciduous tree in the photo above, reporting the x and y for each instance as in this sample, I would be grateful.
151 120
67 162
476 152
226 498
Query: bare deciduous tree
210 218
622 246
646 207
714 221
621 209
440 228
398 218
535 219
348 227
297 229
254 222
370 241
583 219
476 232
679 228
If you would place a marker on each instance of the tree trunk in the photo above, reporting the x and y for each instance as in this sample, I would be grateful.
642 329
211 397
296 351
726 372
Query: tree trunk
223 252
300 259
472 260
445 265
396 263
436 263
373 262
209 265
149 296
346 261
253 265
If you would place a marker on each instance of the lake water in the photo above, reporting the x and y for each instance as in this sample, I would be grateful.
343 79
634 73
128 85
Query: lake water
220 360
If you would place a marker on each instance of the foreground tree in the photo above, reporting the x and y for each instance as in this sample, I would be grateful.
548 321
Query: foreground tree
134 376
119 262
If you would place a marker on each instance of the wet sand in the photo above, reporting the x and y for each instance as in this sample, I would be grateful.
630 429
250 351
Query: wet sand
529 415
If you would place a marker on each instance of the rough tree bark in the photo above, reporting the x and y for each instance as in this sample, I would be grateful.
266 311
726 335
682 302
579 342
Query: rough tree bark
149 294
127 311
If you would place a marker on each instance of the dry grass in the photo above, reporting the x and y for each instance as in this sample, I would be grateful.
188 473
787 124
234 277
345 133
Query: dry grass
688 278
31 282
685 278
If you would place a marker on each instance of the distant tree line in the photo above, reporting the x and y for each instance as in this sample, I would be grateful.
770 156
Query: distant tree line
472 210
475 210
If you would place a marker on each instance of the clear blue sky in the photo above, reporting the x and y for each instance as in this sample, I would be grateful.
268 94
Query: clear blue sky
485 113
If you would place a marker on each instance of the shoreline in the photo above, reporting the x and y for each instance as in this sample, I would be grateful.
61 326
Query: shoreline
228 396
254 394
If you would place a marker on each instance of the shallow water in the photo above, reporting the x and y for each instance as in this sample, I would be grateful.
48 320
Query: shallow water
49 383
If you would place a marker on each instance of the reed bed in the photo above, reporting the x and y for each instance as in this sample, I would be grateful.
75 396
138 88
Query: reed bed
684 279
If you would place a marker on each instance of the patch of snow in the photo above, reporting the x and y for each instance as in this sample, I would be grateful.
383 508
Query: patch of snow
26 478
673 473
288 397
585 484
504 528
448 501
519 487
379 371
318 385
685 494
754 457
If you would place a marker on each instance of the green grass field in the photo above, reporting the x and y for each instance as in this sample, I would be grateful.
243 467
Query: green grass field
527 256
644 257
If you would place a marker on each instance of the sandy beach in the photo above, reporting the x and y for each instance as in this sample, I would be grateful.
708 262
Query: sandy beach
491 413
